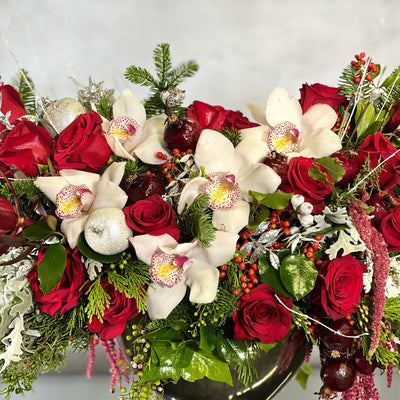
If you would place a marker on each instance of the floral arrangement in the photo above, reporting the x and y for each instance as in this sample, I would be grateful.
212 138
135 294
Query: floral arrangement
200 237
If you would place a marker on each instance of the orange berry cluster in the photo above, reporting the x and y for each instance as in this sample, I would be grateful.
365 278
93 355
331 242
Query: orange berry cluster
358 63
276 222
171 169
310 249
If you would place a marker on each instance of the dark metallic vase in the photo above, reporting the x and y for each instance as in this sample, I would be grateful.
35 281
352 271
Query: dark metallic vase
269 382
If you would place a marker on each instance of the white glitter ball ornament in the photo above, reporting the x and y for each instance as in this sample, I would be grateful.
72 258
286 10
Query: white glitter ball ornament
106 231
61 113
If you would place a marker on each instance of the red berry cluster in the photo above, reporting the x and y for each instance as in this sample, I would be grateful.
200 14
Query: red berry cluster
171 169
311 248
358 63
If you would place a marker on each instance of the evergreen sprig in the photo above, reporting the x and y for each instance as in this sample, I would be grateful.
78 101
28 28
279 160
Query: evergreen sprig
166 76
196 221
25 87
349 87
233 135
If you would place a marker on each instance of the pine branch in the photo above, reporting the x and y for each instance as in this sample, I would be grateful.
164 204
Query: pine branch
349 87
162 61
182 71
140 76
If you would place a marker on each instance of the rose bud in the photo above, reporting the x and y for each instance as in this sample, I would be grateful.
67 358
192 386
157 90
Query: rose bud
8 216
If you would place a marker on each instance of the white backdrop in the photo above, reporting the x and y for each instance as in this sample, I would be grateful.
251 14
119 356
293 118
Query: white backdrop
244 48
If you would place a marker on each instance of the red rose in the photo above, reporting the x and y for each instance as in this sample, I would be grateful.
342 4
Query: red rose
11 101
8 216
152 216
394 122
321 94
82 145
261 317
341 285
314 191
25 146
377 147
216 117
65 295
120 310
390 228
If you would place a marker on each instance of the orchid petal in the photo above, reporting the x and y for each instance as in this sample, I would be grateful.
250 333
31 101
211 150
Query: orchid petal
222 249
259 178
114 173
190 191
203 282
258 113
258 132
76 177
214 152
146 245
181 249
248 152
281 107
129 105
162 300
72 228
317 116
321 143
117 147
147 151
234 219
51 185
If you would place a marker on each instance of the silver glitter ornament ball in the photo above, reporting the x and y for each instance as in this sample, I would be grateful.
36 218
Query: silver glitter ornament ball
106 231
61 113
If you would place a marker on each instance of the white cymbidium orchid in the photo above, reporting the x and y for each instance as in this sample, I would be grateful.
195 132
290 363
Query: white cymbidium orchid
130 135
174 267
288 131
231 173
77 193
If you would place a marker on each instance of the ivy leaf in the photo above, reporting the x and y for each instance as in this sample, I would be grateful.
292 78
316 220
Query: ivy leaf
208 338
298 274
336 171
37 231
271 276
276 200
51 267
303 374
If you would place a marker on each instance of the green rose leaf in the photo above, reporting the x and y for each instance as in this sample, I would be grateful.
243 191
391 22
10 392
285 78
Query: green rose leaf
336 171
365 116
316 173
51 267
271 276
166 334
276 200
298 274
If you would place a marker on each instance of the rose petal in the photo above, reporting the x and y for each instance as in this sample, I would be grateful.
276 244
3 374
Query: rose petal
281 107
234 219
214 152
162 300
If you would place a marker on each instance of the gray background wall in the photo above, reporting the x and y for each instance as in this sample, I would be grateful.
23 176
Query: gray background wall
244 47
